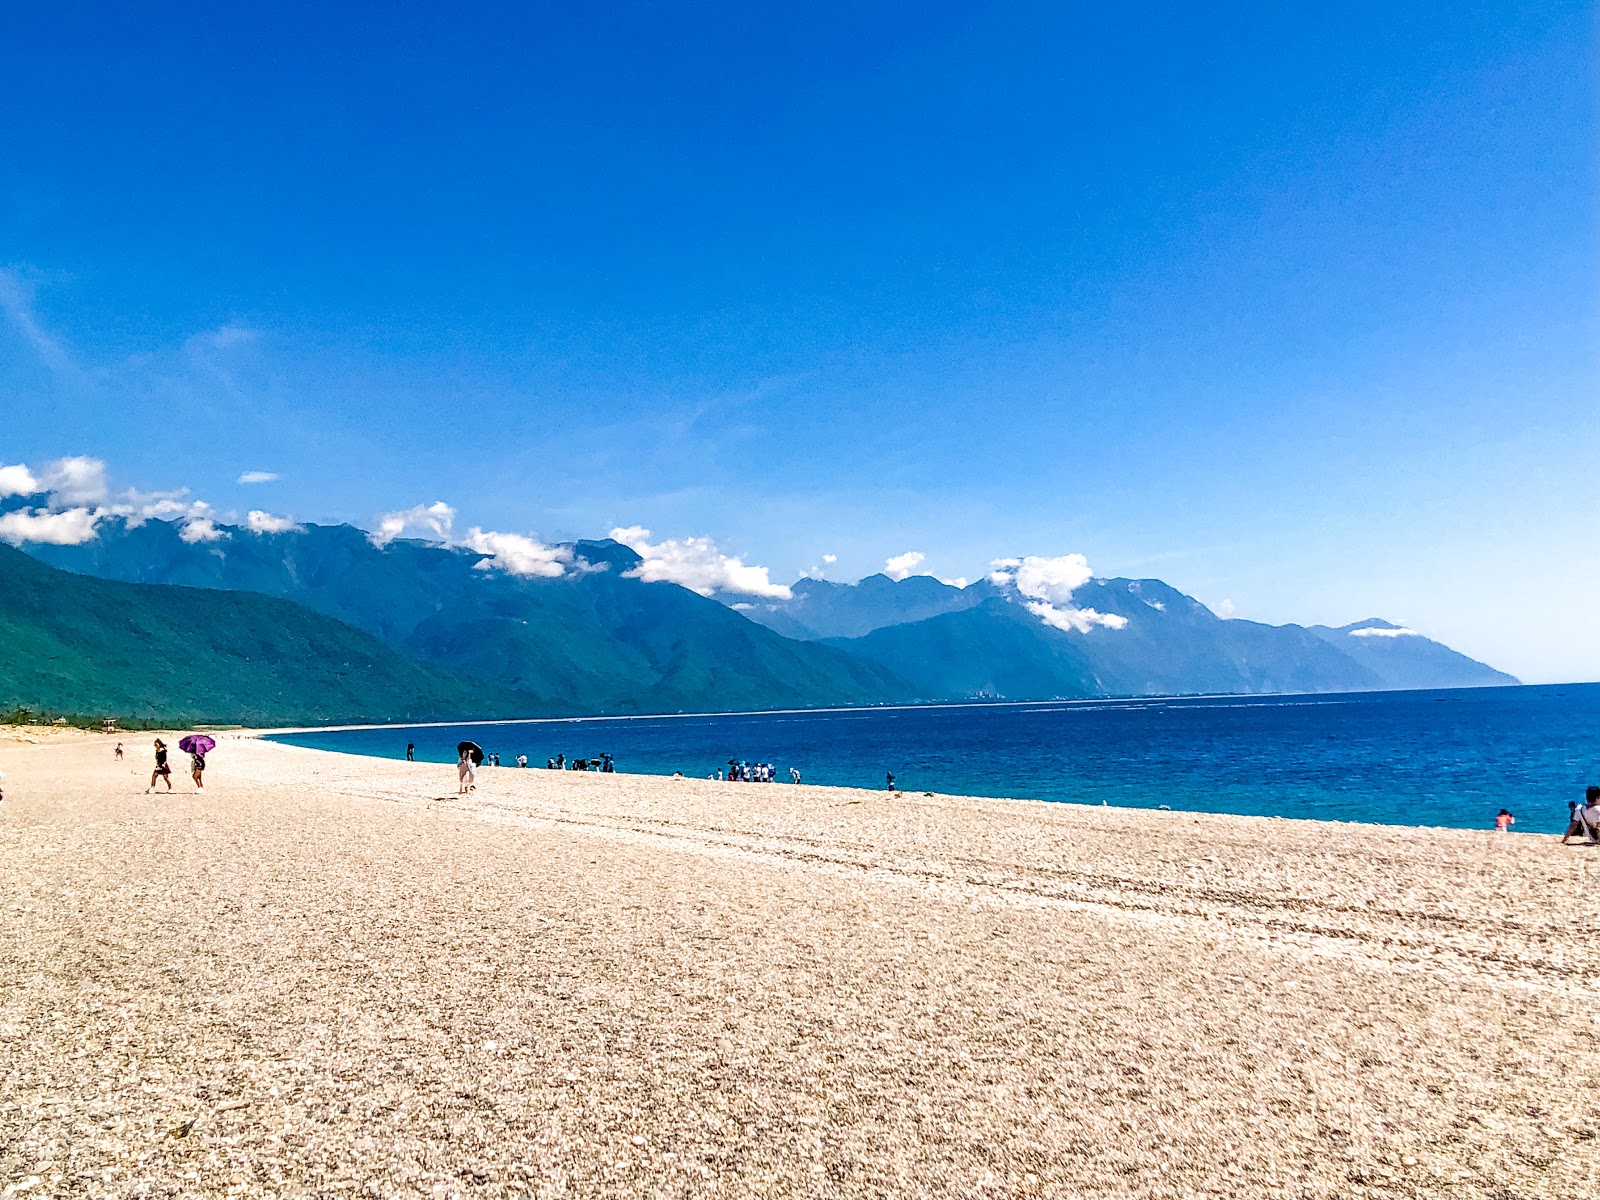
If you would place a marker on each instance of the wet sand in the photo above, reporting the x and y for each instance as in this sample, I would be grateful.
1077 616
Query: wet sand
328 976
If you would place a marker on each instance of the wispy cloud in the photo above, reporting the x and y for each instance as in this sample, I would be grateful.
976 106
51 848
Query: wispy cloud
16 301
1375 631
258 477
697 564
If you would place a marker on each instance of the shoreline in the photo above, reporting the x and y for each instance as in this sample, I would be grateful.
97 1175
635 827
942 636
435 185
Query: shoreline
1078 701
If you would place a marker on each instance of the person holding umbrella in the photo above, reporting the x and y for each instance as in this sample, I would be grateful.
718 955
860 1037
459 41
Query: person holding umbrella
196 746
470 758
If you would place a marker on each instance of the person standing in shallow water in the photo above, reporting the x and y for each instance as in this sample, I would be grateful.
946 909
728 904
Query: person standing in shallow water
411 752
1504 821
889 775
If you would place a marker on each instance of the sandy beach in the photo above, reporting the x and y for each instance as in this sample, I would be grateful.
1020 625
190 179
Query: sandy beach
330 976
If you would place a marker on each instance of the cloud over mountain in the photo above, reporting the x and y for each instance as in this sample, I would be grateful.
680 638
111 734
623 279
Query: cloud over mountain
69 527
257 521
18 481
518 554
697 564
1047 585
901 565
433 520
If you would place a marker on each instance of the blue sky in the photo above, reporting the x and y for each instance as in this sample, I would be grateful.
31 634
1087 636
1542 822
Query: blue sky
1294 308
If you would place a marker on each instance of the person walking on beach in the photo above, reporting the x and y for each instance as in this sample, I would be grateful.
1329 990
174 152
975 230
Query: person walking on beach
162 771
466 774
118 752
197 771
794 774
1585 818
889 775
1504 821
411 752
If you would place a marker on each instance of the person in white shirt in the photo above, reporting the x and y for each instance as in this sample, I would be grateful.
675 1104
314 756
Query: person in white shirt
1585 818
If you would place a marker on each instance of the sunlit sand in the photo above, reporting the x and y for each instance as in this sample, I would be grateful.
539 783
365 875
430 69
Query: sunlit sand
330 976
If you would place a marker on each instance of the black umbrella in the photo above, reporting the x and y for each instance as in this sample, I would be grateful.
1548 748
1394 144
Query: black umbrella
471 748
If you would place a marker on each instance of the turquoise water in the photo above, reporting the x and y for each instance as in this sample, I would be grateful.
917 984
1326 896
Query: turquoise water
1451 758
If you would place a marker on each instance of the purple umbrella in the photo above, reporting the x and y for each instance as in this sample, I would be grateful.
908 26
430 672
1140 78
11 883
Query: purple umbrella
197 743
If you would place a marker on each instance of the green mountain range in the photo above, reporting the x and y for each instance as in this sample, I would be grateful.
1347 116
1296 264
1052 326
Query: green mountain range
431 630
72 644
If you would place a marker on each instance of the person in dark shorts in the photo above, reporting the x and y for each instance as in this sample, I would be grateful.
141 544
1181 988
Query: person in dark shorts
197 770
162 771
118 752
411 752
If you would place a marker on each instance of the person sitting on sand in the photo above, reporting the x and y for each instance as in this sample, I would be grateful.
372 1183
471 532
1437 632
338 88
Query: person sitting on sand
162 771
467 773
1504 821
1585 817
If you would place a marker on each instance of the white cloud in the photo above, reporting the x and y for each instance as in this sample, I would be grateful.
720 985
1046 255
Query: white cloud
201 529
70 528
1048 584
258 477
697 564
516 554
1375 631
901 565
1074 620
960 581
18 481
1225 610
830 559
77 480
434 519
264 522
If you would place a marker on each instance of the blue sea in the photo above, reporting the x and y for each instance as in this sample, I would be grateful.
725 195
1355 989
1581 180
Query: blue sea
1442 758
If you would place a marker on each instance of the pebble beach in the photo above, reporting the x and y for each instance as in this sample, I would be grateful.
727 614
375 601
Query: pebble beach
331 976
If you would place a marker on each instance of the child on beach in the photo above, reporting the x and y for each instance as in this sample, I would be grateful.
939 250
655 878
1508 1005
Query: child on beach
162 771
1504 821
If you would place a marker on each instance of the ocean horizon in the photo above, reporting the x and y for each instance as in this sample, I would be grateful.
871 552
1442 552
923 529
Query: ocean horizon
1451 758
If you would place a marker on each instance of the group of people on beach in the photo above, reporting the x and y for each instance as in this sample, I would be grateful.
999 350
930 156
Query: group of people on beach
740 771
163 771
